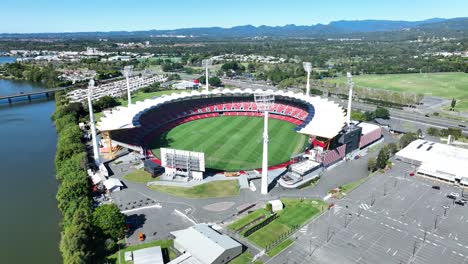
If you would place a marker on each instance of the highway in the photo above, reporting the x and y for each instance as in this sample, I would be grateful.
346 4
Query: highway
398 114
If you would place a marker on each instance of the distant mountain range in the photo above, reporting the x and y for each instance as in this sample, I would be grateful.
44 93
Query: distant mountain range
343 28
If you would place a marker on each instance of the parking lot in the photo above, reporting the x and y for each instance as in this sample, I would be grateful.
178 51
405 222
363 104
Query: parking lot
391 218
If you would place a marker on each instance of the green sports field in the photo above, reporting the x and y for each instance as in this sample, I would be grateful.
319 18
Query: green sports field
232 143
447 85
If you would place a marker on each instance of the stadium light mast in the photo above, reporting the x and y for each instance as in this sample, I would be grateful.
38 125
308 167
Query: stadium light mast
308 69
94 139
350 97
264 102
127 71
206 63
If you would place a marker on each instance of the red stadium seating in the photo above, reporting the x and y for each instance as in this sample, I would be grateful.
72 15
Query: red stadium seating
167 116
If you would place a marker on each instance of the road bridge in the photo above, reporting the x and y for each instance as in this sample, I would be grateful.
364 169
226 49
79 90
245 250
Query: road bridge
31 95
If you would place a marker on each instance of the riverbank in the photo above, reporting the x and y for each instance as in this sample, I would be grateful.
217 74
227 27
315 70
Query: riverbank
30 220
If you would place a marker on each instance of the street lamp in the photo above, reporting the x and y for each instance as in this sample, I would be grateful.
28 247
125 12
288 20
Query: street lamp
127 71
350 97
264 102
308 69
97 158
206 63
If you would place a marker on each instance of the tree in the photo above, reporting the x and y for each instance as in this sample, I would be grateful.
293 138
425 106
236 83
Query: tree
432 131
391 148
73 245
105 102
214 81
371 164
453 104
251 67
369 116
108 219
358 116
382 158
381 112
406 139
269 207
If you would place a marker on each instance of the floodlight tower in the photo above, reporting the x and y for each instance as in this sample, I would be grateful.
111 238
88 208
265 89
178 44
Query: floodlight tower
127 71
206 63
308 69
94 139
264 102
350 97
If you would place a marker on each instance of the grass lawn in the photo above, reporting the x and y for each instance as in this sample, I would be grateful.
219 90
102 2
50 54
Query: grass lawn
164 244
353 185
206 190
280 247
139 176
248 218
244 258
233 143
447 85
295 212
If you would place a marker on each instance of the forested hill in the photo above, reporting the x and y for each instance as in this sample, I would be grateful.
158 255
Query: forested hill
437 27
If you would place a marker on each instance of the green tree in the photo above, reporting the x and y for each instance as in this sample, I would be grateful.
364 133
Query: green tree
358 116
391 148
371 164
382 158
453 104
251 67
381 112
73 246
269 207
104 103
110 221
215 81
432 131
406 139
369 116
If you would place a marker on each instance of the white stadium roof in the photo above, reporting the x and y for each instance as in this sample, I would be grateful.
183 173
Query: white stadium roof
328 120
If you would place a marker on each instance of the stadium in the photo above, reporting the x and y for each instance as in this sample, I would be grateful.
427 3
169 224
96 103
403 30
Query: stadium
225 126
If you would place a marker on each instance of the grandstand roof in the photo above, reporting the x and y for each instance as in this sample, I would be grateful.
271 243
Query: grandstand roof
328 120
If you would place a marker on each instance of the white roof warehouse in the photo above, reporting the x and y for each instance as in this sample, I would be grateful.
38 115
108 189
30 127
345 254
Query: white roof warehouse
206 245
441 161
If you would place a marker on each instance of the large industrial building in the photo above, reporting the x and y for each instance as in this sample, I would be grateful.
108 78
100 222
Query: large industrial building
441 161
201 244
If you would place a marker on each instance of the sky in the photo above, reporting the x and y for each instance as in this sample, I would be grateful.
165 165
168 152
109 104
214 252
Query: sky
31 16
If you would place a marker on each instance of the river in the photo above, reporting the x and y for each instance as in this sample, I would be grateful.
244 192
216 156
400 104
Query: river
29 222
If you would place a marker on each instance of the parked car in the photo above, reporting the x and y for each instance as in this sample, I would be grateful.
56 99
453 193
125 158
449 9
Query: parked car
437 187
460 202
453 197
455 194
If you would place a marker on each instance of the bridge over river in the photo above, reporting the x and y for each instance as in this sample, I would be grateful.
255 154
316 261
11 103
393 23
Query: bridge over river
30 95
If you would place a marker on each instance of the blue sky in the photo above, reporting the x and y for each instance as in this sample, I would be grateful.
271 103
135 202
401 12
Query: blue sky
107 15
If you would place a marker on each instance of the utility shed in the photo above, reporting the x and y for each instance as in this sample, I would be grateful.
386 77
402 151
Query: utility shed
152 255
276 205
206 245
113 185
